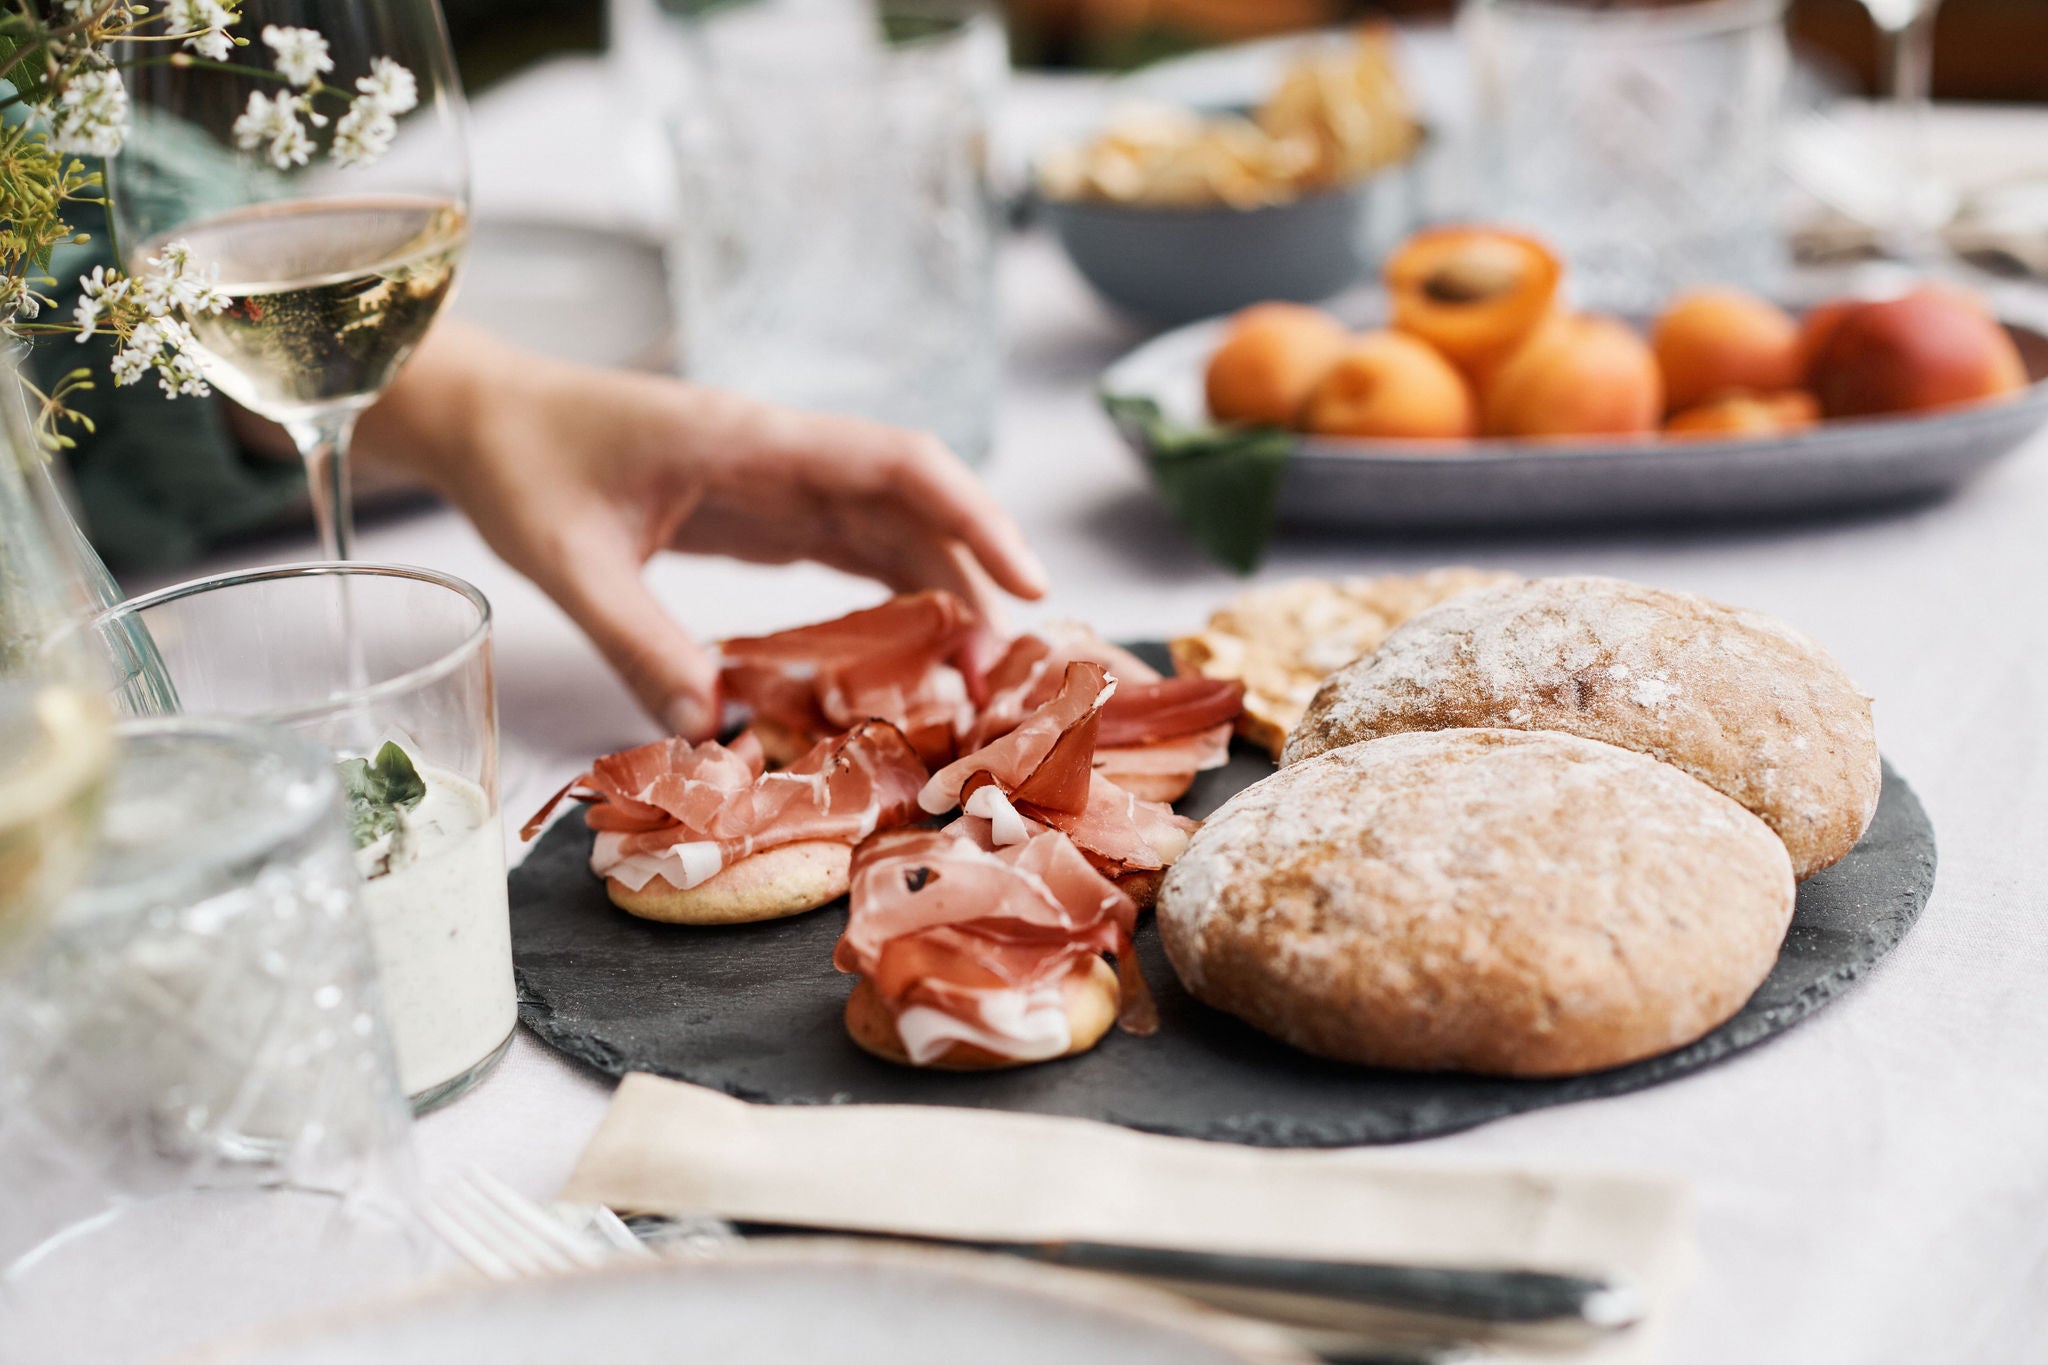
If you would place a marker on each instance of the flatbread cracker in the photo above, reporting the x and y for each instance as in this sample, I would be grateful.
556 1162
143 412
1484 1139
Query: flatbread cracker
1282 641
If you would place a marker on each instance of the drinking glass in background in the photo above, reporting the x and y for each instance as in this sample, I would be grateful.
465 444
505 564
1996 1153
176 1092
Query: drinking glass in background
194 1068
54 741
1906 73
835 247
333 272
1640 139
389 670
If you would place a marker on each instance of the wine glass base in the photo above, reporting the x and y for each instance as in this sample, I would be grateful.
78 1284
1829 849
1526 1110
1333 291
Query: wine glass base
455 1087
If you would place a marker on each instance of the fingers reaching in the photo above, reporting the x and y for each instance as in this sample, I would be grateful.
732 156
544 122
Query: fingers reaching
674 677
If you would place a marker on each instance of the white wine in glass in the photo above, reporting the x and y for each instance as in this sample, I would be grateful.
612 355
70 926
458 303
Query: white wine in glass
55 730
332 266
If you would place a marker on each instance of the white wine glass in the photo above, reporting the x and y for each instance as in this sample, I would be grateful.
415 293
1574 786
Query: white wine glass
333 263
55 729
1906 74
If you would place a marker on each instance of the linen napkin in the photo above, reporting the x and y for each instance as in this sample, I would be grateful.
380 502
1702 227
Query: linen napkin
987 1175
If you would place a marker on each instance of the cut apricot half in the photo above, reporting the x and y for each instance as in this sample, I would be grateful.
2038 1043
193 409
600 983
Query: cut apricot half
1746 414
1474 293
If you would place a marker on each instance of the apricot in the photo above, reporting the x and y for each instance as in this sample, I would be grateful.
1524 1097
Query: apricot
1747 414
1930 348
1272 355
1715 341
1474 293
1580 375
1388 384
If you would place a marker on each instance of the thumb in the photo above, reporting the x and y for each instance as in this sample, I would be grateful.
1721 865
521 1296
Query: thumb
673 676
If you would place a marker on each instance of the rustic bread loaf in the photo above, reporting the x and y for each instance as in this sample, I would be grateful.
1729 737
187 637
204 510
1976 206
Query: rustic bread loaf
1743 702
1508 902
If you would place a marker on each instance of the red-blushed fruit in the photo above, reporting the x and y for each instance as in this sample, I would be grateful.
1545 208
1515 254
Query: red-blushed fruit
1389 384
1931 348
1271 356
1746 414
1579 375
1816 327
1711 342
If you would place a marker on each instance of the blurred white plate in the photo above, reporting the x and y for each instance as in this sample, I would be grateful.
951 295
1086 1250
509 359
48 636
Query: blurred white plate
598 298
815 1303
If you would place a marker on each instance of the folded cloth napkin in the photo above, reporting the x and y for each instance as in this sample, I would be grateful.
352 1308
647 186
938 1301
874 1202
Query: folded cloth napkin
986 1175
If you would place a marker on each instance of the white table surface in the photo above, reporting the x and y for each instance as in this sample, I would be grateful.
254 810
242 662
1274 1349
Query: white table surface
1871 1187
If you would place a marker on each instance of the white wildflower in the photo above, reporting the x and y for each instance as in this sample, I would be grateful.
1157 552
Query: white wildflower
273 124
177 368
138 357
172 279
205 24
90 117
363 134
390 87
96 294
18 301
301 53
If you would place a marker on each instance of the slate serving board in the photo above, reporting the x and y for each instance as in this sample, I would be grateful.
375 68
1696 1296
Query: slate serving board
754 1010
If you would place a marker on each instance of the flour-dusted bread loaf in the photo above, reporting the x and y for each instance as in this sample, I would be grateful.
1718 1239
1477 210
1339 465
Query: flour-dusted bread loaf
1741 701
1509 902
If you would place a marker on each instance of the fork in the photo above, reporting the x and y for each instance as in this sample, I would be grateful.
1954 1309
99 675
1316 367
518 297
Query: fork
507 1236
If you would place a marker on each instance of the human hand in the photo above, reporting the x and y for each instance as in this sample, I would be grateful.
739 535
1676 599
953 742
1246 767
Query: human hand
577 477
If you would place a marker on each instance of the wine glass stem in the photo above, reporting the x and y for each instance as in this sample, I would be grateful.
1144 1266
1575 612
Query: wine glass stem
323 443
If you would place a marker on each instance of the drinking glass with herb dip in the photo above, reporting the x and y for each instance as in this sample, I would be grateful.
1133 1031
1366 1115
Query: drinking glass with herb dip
390 668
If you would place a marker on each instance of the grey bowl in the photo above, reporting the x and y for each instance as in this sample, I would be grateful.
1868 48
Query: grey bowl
1838 466
1173 265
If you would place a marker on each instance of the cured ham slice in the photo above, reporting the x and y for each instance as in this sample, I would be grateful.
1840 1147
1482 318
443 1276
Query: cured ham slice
967 943
1153 735
683 812
1044 769
900 662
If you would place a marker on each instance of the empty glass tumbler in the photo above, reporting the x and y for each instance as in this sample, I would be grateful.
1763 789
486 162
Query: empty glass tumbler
1639 138
835 247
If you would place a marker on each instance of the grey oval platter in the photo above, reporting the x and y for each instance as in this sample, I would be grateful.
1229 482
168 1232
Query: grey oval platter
754 1010
1838 466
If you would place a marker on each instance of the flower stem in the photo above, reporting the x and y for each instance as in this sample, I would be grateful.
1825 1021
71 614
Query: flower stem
107 201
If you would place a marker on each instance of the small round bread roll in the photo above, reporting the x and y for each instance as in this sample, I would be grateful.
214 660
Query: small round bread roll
1501 901
1092 999
781 881
1743 702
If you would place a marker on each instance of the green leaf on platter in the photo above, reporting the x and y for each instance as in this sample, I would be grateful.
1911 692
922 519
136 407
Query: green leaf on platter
378 791
1222 484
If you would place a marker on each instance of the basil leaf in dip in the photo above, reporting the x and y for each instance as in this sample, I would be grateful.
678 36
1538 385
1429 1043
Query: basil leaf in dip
378 791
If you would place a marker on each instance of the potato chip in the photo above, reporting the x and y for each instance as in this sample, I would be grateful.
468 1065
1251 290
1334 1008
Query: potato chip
1335 117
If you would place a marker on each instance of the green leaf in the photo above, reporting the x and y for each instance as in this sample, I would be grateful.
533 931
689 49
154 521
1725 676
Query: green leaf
1222 484
378 791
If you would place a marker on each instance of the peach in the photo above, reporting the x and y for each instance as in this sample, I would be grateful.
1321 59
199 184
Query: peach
1931 348
1580 375
1388 384
1816 327
1272 355
1474 293
1715 341
1747 414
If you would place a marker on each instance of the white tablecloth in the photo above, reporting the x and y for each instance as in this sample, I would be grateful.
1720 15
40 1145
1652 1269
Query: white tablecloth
1871 1187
